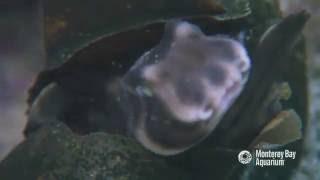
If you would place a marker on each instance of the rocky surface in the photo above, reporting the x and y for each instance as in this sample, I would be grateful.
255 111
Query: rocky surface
54 152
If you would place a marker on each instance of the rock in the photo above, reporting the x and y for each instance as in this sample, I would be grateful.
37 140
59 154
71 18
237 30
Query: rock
54 152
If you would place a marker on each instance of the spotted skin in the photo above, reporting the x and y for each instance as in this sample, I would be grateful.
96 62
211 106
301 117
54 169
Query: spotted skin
194 78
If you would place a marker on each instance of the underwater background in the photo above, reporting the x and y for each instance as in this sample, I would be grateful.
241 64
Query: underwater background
310 168
19 40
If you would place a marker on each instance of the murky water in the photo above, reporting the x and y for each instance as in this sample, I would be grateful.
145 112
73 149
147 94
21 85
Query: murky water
20 53
309 169
20 56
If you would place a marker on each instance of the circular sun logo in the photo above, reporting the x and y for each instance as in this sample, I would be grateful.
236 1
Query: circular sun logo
244 157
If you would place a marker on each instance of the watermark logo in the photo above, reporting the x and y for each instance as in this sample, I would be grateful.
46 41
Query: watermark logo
244 157
264 158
